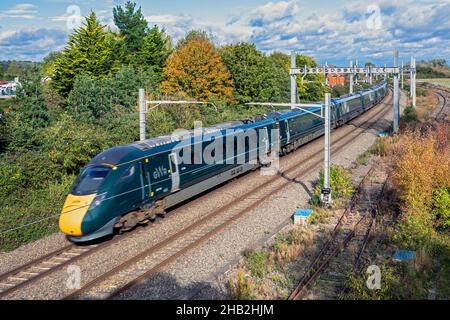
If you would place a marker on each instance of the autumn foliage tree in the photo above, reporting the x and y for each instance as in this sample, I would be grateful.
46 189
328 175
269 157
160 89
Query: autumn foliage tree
196 69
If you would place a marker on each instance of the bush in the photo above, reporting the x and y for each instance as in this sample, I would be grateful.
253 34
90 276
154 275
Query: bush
340 183
380 147
71 144
409 114
243 289
257 263
441 206
26 206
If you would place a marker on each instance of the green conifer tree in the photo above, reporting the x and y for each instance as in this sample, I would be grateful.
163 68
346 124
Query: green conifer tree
90 51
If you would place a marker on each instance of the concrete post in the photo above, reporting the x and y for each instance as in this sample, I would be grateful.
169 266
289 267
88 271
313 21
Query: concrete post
351 78
142 107
396 101
293 80
325 195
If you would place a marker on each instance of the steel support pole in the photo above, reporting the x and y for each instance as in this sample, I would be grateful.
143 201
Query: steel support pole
413 81
402 74
396 101
351 78
142 105
293 80
326 190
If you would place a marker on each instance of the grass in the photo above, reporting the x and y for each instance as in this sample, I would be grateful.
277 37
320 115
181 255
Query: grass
266 273
340 183
437 81
257 262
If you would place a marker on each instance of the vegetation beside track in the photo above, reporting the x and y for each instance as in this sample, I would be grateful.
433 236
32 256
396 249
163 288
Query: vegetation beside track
417 216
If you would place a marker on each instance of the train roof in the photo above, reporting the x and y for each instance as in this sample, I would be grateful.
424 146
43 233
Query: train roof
126 153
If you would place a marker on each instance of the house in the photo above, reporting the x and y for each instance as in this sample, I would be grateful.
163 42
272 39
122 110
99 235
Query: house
8 88
335 79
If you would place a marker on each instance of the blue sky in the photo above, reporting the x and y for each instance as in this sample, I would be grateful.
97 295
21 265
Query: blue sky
332 31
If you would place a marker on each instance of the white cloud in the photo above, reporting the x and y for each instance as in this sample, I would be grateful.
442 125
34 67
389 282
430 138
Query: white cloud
420 28
23 11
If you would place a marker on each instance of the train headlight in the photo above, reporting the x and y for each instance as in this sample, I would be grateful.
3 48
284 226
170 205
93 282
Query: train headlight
98 200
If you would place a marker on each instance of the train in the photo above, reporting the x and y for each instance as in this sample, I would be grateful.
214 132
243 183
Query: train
132 184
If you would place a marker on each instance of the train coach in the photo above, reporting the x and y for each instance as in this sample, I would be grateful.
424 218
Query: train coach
131 184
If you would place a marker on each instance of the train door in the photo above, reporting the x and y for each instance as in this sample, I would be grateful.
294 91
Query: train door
288 132
145 180
175 173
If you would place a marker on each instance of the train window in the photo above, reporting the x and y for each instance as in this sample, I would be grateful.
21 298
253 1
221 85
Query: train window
89 181
128 173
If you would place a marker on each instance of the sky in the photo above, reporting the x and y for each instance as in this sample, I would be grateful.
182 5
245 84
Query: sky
331 31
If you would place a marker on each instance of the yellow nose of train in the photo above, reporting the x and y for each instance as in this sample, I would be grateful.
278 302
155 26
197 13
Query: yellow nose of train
73 212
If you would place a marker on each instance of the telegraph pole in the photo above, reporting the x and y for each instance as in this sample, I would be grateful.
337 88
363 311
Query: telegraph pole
142 107
396 103
325 195
293 79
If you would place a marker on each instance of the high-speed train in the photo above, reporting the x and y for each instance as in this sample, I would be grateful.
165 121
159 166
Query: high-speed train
130 184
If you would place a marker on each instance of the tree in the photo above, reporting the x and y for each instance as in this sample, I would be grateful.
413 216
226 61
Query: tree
281 76
196 69
48 67
90 51
156 48
92 99
195 34
133 27
29 114
256 77
313 88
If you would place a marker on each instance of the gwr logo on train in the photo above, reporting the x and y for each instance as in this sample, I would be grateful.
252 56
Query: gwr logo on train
160 172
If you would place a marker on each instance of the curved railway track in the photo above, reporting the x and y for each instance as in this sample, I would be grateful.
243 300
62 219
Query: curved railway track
117 281
337 241
442 99
36 269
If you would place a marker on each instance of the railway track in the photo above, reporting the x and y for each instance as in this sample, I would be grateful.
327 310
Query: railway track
338 240
120 279
39 268
443 99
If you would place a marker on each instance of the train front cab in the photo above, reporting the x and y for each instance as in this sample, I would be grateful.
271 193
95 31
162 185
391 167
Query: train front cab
76 216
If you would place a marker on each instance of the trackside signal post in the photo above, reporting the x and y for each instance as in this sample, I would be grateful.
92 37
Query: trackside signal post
325 195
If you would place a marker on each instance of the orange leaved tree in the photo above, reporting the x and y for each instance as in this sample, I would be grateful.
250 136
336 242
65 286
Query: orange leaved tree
196 69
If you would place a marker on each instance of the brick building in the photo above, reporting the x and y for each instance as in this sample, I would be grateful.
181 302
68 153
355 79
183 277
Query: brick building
335 80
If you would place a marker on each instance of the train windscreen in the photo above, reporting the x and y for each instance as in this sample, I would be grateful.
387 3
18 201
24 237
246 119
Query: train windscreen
89 181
